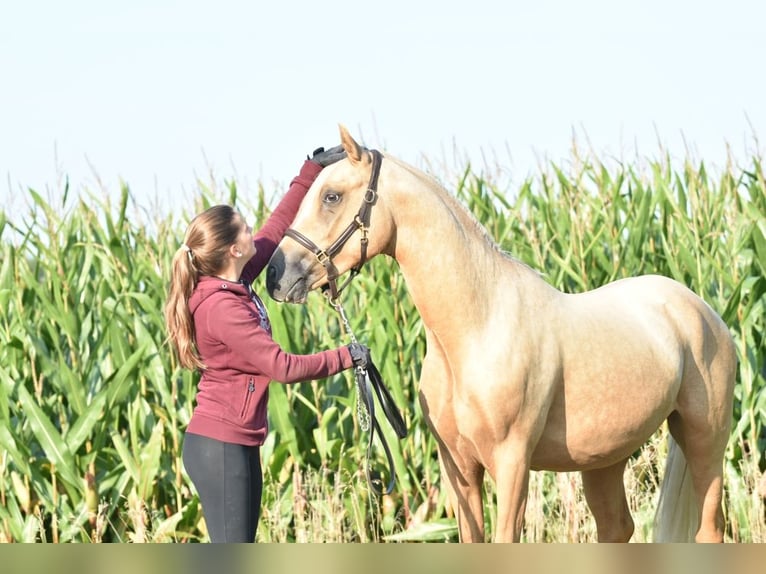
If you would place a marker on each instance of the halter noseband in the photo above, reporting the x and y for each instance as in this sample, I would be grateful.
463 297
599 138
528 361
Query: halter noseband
361 221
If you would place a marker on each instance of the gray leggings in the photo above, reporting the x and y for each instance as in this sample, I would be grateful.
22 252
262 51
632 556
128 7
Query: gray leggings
229 482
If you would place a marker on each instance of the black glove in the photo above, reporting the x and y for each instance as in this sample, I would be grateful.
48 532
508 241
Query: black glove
360 355
325 158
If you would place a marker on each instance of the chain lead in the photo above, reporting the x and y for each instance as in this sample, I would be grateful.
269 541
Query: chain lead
362 413
346 324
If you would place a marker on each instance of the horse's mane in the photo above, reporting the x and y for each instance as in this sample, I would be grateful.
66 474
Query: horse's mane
460 210
458 207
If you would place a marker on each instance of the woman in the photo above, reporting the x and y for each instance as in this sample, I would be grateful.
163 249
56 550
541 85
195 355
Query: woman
217 324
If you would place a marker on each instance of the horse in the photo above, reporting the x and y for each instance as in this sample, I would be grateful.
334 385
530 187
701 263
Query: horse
518 375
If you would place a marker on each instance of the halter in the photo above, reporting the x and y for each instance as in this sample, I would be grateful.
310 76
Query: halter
361 221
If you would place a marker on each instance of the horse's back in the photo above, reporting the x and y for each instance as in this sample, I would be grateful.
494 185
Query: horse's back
655 296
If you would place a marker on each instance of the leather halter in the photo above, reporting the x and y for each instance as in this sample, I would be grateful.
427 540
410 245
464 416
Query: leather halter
361 222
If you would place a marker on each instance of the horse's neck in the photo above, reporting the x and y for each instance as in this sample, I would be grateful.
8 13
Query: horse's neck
452 268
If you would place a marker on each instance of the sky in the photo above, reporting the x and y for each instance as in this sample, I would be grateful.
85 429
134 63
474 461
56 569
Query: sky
160 94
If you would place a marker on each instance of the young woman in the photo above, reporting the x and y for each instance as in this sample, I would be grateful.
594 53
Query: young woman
217 324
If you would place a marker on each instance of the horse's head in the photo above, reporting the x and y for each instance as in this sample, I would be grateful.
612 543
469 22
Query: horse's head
331 233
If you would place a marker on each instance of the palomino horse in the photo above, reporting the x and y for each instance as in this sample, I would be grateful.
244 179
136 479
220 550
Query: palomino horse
519 376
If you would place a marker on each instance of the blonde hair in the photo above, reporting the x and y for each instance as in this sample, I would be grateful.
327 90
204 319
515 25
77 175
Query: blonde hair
204 252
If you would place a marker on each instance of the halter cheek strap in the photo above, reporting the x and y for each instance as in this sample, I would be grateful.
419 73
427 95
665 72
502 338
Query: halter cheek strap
361 222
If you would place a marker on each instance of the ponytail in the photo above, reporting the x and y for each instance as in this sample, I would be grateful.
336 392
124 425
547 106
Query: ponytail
178 318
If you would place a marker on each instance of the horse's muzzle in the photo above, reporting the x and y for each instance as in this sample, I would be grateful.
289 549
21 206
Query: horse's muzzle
287 282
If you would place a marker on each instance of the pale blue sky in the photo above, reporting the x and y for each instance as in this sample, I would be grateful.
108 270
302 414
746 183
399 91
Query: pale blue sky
157 92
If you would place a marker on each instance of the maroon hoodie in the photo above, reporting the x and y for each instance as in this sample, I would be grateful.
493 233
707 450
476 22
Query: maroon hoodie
233 337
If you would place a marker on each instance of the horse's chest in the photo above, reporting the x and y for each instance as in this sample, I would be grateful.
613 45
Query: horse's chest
463 425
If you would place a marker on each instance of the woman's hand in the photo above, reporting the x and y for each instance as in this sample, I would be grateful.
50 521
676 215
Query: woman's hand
360 355
326 157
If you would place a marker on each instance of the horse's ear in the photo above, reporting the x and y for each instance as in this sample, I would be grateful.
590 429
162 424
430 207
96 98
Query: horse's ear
353 149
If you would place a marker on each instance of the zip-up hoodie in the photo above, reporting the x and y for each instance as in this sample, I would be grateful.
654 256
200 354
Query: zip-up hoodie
233 337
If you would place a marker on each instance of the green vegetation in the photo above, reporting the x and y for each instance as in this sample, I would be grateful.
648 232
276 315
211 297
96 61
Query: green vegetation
93 405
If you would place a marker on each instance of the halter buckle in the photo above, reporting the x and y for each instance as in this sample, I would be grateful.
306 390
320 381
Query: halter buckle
323 257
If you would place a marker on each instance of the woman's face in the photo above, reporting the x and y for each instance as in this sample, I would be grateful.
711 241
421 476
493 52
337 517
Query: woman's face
245 240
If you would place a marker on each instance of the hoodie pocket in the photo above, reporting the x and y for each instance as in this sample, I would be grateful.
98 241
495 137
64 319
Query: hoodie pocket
249 394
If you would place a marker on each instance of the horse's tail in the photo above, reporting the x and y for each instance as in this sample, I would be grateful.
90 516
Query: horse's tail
677 517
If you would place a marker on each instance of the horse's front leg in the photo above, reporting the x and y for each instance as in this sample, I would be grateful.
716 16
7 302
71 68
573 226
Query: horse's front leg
462 476
512 466
464 484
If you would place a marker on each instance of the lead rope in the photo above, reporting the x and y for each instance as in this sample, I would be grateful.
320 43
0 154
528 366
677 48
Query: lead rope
362 412
369 381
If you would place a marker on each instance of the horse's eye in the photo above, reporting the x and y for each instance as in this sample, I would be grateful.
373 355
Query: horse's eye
331 198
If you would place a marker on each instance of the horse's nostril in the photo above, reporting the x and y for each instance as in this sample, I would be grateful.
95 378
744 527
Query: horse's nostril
271 278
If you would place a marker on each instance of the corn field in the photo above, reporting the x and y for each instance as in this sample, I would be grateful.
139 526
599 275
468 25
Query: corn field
93 405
